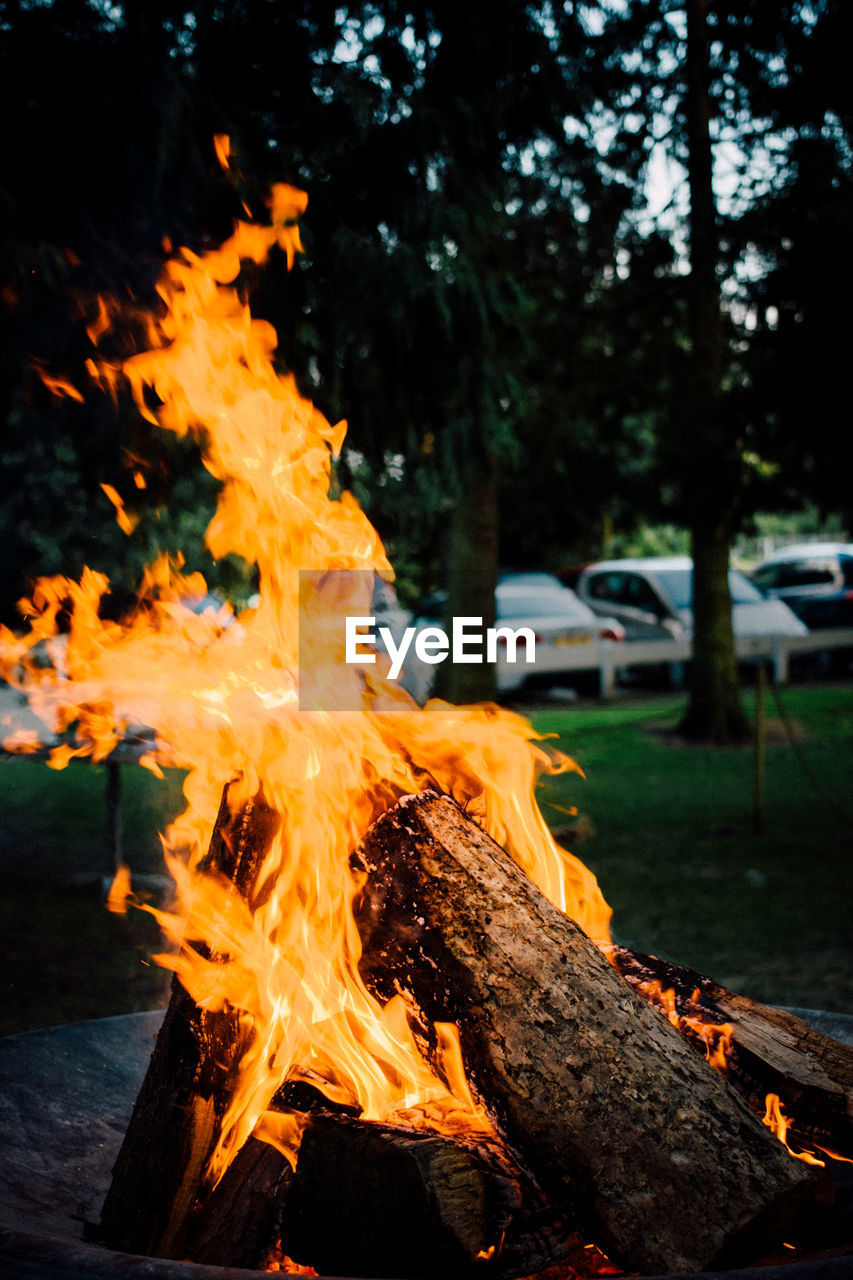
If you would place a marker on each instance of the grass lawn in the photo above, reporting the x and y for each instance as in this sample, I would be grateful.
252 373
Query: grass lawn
668 830
65 957
666 827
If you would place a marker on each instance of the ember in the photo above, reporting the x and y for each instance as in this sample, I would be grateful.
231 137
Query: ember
305 982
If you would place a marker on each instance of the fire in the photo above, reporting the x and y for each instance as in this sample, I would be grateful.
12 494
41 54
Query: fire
221 694
776 1120
716 1037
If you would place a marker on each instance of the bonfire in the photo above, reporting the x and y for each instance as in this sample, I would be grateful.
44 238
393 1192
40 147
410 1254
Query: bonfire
325 943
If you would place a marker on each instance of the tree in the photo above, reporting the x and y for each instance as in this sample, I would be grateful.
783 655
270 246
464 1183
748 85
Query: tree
104 164
711 85
429 233
714 711
799 231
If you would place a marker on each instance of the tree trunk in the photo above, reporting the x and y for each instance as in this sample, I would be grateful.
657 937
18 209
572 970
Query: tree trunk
625 1127
471 581
714 713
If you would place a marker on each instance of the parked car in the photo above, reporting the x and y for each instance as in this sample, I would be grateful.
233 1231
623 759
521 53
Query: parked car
561 623
652 597
815 580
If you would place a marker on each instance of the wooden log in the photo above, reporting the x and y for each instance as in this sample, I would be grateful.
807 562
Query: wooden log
239 1223
769 1050
383 1200
618 1119
159 1172
379 1200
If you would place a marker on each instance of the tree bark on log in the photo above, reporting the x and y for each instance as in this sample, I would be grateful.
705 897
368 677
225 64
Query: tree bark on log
239 1223
771 1050
621 1123
160 1167
383 1200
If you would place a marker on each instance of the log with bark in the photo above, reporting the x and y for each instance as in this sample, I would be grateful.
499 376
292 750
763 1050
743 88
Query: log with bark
159 1172
378 1200
770 1050
382 1200
624 1126
629 1133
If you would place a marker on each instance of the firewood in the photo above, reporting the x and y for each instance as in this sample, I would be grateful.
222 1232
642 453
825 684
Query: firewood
769 1050
383 1200
159 1173
239 1223
622 1124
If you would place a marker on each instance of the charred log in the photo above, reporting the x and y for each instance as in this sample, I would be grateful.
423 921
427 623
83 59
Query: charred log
239 1223
617 1118
769 1050
382 1200
159 1172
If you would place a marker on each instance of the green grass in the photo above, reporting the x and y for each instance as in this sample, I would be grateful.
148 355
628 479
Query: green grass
675 854
672 845
65 958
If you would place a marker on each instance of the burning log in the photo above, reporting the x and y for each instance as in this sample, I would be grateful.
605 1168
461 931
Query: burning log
767 1050
238 1224
382 1200
460 1200
627 1129
175 1123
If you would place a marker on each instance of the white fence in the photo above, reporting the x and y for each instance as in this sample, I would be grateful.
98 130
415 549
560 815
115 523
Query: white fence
615 656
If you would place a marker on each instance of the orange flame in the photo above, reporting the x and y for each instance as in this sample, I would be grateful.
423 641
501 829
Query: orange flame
223 700
776 1120
718 1042
60 387
716 1037
125 522
120 891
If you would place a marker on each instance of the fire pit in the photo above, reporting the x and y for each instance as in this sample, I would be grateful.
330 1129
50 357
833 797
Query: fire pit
66 1095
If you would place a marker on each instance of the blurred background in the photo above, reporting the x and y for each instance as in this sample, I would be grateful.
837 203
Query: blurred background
578 277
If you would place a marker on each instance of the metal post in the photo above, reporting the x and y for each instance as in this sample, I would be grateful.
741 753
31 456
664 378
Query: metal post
114 814
606 670
758 759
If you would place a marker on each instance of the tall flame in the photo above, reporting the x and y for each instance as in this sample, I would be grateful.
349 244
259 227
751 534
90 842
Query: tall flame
224 703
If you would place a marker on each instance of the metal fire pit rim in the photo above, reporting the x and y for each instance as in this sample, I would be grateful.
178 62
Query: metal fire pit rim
28 1256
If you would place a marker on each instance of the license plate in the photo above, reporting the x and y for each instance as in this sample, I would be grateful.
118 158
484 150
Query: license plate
571 640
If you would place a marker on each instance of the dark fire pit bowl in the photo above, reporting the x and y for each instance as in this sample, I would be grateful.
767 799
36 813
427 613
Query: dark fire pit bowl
66 1094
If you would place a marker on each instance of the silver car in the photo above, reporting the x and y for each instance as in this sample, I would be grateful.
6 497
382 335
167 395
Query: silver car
652 597
566 632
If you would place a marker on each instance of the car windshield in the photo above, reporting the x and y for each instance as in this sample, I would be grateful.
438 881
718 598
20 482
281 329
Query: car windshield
549 603
678 585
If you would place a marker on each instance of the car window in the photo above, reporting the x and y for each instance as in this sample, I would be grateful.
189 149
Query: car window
431 608
641 595
806 573
678 585
767 576
847 570
607 586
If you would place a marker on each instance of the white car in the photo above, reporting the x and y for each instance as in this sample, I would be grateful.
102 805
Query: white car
653 597
567 635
